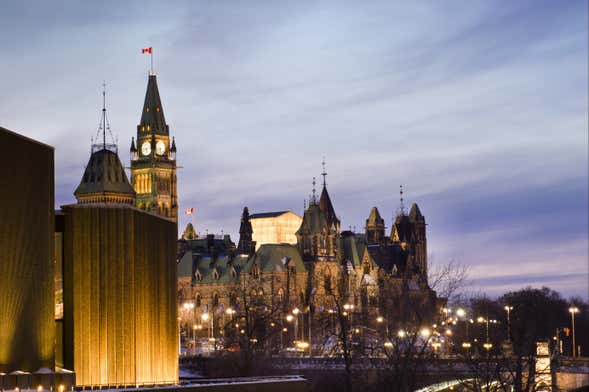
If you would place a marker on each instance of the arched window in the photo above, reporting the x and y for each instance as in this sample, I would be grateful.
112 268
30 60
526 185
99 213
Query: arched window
198 300
215 300
280 295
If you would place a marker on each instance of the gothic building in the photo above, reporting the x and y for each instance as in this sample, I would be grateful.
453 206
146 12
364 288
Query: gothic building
153 158
384 274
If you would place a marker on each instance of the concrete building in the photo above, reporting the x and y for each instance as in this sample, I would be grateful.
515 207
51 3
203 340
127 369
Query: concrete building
26 261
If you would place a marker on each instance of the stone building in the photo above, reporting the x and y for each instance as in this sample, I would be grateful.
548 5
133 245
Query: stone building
153 158
384 274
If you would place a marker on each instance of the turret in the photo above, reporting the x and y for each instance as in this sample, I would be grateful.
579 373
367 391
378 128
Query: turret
173 149
374 227
246 245
133 149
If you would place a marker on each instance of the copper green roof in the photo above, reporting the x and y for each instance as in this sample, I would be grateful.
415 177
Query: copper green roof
272 258
153 111
327 208
104 174
352 247
313 220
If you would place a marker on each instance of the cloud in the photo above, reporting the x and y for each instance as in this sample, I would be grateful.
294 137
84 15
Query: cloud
480 111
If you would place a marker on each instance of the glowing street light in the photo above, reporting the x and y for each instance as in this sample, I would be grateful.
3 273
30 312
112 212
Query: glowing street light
573 310
379 319
425 332
460 312
289 317
508 309
401 333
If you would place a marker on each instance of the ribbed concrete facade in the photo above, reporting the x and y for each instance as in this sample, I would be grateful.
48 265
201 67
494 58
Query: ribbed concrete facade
27 328
120 314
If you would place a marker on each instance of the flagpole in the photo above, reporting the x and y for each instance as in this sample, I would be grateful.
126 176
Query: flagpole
151 59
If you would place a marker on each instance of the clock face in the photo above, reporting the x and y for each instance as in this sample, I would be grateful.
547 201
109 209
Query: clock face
160 148
146 148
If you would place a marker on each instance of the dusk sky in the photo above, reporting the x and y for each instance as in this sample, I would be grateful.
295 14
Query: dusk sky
480 110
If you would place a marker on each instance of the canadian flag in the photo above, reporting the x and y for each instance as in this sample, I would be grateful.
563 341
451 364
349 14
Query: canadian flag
146 50
189 211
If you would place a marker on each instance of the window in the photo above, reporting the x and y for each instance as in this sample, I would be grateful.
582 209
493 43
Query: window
198 300
215 300
280 295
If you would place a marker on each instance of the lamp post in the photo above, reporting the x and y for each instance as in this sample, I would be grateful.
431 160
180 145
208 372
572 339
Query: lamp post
205 318
508 309
573 310
289 318
488 345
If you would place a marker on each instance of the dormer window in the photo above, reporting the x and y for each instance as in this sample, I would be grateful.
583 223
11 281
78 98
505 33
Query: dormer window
198 275
215 274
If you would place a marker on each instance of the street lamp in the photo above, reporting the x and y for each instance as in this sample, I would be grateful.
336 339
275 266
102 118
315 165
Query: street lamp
573 310
460 312
508 309
205 318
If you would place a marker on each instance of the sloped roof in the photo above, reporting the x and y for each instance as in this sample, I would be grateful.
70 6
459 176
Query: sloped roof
327 208
374 219
267 214
352 247
153 111
386 256
269 258
104 174
313 220
414 212
403 226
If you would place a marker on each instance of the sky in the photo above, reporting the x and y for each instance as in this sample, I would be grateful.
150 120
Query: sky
479 109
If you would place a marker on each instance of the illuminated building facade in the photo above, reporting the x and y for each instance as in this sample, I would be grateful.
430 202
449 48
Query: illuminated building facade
275 227
27 329
116 281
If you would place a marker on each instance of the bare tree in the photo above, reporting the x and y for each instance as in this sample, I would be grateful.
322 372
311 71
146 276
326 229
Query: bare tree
448 279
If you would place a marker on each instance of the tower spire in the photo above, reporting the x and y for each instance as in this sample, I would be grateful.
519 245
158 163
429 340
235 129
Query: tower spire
103 127
401 197
314 198
324 174
104 114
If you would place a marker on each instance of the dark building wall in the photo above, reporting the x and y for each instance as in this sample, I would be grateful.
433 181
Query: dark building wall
26 254
120 315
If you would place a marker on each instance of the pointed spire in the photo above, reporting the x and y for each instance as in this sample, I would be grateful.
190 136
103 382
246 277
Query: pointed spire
402 207
104 115
152 116
133 147
374 218
314 201
326 205
324 174
102 128
246 245
415 212
173 148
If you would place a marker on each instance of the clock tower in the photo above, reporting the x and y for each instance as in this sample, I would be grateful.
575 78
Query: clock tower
153 158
